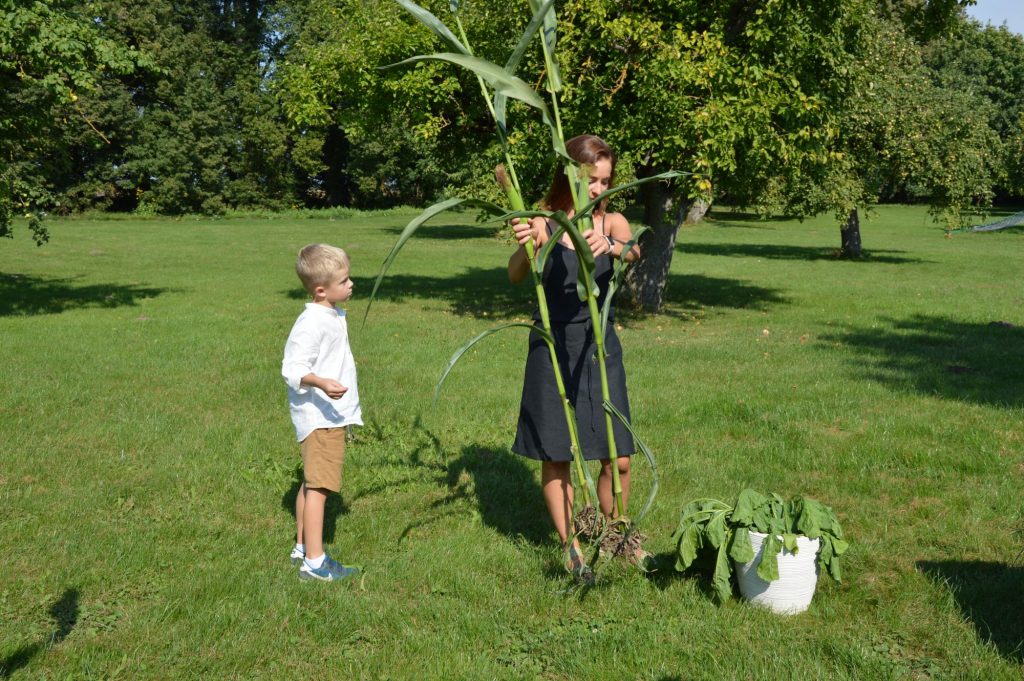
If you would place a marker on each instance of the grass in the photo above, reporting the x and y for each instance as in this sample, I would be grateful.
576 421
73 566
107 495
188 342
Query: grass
149 467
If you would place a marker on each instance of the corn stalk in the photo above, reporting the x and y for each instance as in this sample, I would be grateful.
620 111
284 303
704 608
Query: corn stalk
504 84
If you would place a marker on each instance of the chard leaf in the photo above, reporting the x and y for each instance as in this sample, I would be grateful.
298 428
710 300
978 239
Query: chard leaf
809 520
723 571
688 546
740 549
746 503
839 546
789 541
762 517
715 531
768 569
829 560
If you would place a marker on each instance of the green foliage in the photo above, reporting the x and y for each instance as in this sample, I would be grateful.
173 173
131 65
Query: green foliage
50 54
726 528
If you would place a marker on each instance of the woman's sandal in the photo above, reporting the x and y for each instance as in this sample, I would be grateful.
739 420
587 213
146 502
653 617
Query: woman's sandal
579 568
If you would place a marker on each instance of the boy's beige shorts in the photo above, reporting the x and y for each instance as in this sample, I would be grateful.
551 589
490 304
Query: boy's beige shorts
323 455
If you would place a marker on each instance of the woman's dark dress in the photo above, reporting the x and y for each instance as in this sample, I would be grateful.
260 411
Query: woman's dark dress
542 433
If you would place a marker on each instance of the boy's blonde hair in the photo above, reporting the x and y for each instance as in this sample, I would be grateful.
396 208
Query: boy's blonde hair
317 263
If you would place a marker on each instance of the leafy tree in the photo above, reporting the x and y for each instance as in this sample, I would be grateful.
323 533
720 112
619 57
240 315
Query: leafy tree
50 55
202 132
986 65
407 134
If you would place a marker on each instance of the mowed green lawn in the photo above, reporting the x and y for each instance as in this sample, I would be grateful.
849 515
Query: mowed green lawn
148 464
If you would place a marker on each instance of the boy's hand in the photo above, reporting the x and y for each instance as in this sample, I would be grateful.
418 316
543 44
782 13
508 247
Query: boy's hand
333 389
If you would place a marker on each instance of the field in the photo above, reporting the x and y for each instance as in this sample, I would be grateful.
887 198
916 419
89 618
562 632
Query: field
148 467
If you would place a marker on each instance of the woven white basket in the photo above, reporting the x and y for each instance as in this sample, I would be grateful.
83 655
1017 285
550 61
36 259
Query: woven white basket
791 593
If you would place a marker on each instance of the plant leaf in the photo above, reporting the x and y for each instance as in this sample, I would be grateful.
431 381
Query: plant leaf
689 544
768 568
586 210
789 541
740 549
723 572
502 82
550 38
610 408
512 64
415 224
476 339
618 272
716 530
434 24
747 501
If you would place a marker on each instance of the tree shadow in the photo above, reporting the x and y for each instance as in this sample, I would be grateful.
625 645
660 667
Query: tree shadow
778 252
451 232
989 596
21 294
475 292
334 506
978 362
738 218
692 292
487 294
64 612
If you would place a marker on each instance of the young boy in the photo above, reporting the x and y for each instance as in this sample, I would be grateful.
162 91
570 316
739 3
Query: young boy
321 375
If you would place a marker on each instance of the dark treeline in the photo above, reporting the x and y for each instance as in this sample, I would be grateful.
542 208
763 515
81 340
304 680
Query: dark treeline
210 108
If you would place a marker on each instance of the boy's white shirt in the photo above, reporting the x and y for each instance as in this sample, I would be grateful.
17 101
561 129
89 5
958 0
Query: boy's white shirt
318 344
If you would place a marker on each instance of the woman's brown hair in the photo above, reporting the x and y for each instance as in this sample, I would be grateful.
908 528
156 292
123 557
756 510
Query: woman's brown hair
585 150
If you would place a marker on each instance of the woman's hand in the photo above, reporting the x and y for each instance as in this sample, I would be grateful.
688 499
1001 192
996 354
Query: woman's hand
599 243
524 231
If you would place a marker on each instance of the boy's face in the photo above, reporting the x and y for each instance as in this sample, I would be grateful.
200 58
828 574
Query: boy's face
338 288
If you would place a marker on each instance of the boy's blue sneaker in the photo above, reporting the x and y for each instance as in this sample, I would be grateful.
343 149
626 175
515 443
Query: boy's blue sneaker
330 571
297 556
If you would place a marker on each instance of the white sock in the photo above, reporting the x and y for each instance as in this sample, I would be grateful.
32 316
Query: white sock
314 563
301 548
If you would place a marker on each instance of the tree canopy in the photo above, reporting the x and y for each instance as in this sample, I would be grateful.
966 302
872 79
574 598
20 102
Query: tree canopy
796 108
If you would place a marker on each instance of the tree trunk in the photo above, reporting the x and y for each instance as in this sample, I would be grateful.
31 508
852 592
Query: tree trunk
850 233
698 209
647 279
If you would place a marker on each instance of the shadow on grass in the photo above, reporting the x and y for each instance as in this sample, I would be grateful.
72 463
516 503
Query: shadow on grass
777 252
439 231
487 293
505 491
977 362
500 484
334 506
664 574
64 612
989 596
22 294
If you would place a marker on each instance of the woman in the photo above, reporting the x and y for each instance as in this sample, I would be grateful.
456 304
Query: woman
542 432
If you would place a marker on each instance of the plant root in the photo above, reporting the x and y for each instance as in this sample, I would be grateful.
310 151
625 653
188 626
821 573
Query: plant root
623 540
589 523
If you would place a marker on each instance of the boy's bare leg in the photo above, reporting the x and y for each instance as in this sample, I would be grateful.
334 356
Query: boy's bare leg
556 483
300 504
605 496
313 521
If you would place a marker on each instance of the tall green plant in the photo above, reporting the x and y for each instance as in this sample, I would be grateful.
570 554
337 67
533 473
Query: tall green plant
503 83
